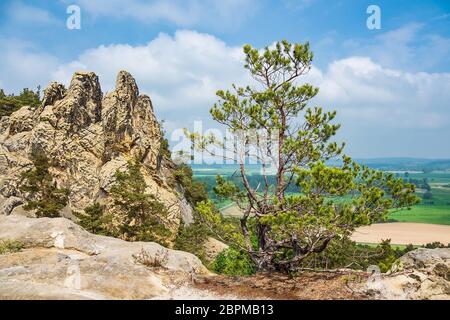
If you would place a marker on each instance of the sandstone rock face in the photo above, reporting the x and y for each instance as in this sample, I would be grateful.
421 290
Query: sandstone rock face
9 205
213 248
421 274
87 137
63 261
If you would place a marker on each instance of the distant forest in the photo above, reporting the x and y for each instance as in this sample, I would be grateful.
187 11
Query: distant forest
10 102
406 164
384 164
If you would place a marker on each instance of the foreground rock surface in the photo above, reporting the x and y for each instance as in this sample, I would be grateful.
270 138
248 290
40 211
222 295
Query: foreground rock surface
421 274
63 261
60 260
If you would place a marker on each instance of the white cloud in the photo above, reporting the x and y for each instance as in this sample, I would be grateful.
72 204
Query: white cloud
182 72
365 92
23 66
185 13
407 48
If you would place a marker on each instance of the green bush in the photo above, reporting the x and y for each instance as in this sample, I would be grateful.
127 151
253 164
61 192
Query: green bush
345 253
164 150
10 246
94 220
46 198
192 239
435 245
234 262
194 191
134 214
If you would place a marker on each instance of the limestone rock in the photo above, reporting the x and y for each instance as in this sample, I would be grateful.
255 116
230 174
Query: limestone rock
20 211
9 204
425 259
21 120
213 247
54 92
88 137
423 274
63 261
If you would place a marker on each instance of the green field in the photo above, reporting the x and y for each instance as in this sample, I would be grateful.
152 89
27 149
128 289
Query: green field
423 214
434 211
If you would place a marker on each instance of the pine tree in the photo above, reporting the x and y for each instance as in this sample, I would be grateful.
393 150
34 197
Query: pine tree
279 229
95 220
46 198
143 214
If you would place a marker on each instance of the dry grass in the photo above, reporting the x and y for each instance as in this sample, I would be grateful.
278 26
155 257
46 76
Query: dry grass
159 260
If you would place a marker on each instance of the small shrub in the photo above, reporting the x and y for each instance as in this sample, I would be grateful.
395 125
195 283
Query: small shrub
94 220
46 198
164 150
10 246
142 215
192 239
234 262
158 261
345 253
435 245
134 216
194 191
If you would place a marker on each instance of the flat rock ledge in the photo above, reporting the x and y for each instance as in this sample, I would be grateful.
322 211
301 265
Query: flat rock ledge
60 260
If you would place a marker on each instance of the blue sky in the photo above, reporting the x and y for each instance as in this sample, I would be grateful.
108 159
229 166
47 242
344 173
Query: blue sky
391 87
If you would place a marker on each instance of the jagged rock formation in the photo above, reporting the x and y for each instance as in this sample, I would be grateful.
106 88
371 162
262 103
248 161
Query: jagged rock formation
420 274
87 137
62 261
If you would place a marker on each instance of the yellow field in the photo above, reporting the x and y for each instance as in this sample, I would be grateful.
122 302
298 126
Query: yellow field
398 232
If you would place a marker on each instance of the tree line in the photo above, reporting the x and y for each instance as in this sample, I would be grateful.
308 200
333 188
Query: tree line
10 103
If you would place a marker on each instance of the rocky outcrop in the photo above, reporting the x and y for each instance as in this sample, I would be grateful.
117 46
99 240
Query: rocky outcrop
419 274
213 248
9 205
87 137
60 260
